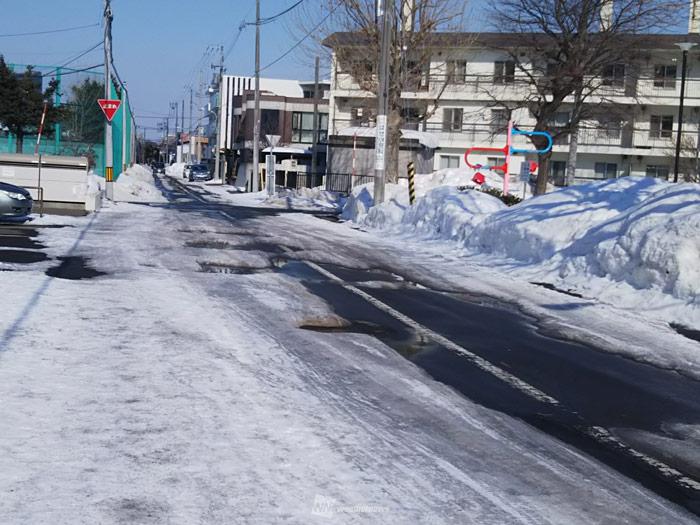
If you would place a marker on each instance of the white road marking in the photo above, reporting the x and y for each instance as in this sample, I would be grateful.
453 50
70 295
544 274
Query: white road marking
597 433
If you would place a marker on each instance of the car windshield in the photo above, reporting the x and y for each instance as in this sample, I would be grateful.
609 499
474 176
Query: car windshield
200 168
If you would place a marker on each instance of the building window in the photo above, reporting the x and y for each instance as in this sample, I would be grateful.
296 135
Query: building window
452 119
303 127
605 170
661 126
614 75
456 71
609 128
499 121
269 122
449 161
665 76
659 172
558 172
504 72
495 161
361 116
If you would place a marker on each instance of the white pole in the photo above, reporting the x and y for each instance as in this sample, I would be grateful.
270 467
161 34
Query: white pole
109 162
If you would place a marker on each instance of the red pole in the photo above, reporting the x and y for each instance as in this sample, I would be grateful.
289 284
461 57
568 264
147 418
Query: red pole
41 127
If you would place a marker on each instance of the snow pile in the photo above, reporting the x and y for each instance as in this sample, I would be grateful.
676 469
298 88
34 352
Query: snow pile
654 243
539 228
175 170
307 198
640 232
357 207
136 184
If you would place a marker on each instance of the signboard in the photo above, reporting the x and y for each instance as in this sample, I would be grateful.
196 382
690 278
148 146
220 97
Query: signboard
524 171
270 162
380 143
109 107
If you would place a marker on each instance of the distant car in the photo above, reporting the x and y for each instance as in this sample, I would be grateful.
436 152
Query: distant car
199 172
159 167
186 171
14 201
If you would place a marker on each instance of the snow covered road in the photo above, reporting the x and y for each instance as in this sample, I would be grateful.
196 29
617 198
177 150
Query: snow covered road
178 388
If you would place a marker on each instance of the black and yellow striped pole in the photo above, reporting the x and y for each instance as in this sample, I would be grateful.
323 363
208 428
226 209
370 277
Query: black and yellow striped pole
411 182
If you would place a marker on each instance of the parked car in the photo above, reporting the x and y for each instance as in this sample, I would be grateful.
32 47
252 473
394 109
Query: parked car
186 171
14 201
159 167
199 172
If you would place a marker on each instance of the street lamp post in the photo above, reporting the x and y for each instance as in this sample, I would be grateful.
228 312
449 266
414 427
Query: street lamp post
685 47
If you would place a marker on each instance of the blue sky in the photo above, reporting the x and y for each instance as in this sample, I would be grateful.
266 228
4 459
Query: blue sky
158 44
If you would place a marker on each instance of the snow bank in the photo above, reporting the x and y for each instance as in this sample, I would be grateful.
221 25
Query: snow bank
637 231
175 170
652 244
136 184
307 198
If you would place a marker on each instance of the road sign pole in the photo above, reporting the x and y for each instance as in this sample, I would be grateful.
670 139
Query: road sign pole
109 161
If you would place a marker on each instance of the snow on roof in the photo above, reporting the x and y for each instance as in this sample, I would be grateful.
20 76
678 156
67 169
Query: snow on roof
287 149
279 86
429 140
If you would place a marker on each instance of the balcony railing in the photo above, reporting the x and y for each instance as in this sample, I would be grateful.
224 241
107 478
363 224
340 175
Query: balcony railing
494 86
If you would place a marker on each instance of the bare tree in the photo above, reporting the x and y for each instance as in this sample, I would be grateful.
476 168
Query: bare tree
354 37
567 52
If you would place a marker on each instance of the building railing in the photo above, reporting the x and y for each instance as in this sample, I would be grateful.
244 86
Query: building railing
495 86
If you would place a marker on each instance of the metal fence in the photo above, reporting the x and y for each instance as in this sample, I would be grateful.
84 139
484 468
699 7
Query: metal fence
336 182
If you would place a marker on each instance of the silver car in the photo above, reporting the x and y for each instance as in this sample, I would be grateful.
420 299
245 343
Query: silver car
14 201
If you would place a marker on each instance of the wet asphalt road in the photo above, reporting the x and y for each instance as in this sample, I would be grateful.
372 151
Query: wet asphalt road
594 387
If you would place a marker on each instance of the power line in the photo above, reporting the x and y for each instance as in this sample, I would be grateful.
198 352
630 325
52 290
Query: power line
62 30
81 55
74 71
272 18
307 35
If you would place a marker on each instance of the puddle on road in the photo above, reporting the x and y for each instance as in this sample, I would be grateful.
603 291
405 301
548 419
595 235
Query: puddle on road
689 333
22 256
73 268
213 267
20 241
247 247
550 286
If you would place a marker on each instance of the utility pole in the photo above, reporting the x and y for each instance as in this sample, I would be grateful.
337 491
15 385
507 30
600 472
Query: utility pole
385 9
685 47
189 150
167 140
109 160
256 114
218 175
314 151
175 105
123 108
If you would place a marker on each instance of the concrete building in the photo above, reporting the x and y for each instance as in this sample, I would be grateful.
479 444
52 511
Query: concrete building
287 108
468 73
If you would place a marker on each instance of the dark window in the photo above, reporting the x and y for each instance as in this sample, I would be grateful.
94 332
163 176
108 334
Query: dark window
269 122
558 172
449 161
456 71
303 127
499 120
614 75
361 116
452 119
661 126
609 128
504 72
665 76
605 170
659 172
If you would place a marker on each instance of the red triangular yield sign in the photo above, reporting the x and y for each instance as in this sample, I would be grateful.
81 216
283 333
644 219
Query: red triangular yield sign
109 107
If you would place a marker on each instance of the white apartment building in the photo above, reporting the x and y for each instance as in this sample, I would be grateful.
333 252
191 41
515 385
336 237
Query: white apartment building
633 133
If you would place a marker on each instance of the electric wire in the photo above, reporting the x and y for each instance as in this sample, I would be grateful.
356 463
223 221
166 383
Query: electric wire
62 30
299 42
